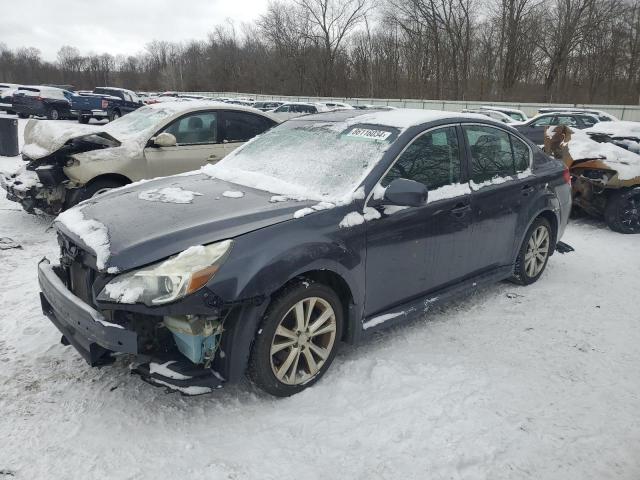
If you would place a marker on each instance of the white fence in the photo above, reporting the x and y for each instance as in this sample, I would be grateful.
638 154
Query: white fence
623 112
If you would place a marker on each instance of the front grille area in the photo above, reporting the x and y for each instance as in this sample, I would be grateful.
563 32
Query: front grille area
80 279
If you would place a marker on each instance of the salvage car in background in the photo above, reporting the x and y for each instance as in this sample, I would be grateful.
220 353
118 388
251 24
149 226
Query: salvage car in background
600 114
327 228
6 96
498 116
104 103
51 102
624 134
534 129
68 163
296 109
605 177
517 115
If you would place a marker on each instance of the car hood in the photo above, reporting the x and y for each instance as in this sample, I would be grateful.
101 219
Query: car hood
43 138
141 231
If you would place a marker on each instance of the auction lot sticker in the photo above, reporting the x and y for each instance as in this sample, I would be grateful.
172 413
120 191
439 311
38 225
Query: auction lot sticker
369 133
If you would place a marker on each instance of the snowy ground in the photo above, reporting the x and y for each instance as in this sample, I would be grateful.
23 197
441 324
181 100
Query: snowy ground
541 382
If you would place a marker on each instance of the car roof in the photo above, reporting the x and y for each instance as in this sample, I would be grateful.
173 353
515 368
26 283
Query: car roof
500 109
399 118
181 107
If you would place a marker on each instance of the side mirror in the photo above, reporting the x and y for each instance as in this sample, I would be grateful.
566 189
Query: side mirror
165 140
406 193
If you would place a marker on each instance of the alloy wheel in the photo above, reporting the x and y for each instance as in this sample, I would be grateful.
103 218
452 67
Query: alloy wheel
537 251
303 341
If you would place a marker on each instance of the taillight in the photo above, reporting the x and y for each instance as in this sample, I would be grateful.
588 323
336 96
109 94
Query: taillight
105 104
566 175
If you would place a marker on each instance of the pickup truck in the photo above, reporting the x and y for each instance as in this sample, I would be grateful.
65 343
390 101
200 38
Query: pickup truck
104 102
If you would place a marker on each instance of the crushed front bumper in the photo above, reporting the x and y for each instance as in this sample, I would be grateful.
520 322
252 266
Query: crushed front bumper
36 198
81 325
87 330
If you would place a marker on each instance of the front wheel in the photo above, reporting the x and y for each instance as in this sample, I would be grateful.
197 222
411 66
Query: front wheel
114 115
23 115
83 120
534 253
297 339
53 114
93 189
622 212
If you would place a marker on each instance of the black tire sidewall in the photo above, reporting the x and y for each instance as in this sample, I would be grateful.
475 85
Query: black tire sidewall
521 275
91 189
50 114
613 208
259 370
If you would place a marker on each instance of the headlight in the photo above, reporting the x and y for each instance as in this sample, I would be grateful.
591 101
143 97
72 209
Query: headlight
169 280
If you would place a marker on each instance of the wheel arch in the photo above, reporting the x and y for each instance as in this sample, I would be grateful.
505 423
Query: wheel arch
117 177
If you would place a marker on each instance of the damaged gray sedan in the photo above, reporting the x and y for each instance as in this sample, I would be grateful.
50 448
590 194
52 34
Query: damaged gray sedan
67 163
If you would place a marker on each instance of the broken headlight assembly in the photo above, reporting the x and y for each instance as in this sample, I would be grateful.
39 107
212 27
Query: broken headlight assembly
169 280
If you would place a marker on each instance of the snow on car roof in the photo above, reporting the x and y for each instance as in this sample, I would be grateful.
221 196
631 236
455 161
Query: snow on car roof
401 118
500 109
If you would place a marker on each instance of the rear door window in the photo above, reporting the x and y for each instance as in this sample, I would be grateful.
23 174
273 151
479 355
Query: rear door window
242 126
569 120
433 159
492 154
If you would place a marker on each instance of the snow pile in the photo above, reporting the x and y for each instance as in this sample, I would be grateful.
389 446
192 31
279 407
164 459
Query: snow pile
278 198
232 194
302 212
22 180
626 163
616 129
168 195
91 232
370 213
123 292
351 220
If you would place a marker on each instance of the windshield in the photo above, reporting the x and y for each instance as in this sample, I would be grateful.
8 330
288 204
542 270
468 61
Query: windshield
137 122
319 161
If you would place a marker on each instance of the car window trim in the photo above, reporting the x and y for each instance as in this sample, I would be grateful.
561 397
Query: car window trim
463 171
511 178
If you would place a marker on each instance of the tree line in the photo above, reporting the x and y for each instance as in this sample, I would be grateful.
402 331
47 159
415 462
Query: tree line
574 51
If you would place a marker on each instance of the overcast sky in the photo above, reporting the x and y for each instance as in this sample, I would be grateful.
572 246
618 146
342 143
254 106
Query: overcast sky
115 26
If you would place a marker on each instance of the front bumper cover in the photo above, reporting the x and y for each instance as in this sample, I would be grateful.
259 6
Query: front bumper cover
81 325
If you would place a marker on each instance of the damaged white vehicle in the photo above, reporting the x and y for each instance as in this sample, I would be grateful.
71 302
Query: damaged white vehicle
67 163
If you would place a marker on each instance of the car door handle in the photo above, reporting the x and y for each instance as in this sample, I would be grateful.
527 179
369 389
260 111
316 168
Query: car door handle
527 189
460 209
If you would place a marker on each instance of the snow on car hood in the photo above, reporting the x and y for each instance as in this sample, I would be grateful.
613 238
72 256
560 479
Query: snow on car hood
141 232
42 137
626 163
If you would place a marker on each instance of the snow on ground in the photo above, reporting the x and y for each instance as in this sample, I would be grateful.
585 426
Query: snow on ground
539 382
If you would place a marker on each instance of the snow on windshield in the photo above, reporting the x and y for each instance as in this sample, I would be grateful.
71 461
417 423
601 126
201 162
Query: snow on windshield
137 122
324 161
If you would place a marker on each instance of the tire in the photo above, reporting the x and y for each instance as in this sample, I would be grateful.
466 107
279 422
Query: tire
114 115
83 120
53 114
622 212
279 327
23 115
536 248
93 189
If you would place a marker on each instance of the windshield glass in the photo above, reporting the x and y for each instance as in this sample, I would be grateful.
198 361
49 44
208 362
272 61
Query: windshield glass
137 122
319 161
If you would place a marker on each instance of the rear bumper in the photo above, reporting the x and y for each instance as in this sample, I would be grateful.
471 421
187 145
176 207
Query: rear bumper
81 325
91 113
35 199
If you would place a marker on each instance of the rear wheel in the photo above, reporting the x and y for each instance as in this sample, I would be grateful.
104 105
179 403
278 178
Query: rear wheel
534 253
82 119
53 114
23 115
297 339
114 115
622 212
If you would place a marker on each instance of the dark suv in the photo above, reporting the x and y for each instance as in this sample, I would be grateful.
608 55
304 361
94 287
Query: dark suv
51 102
327 228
